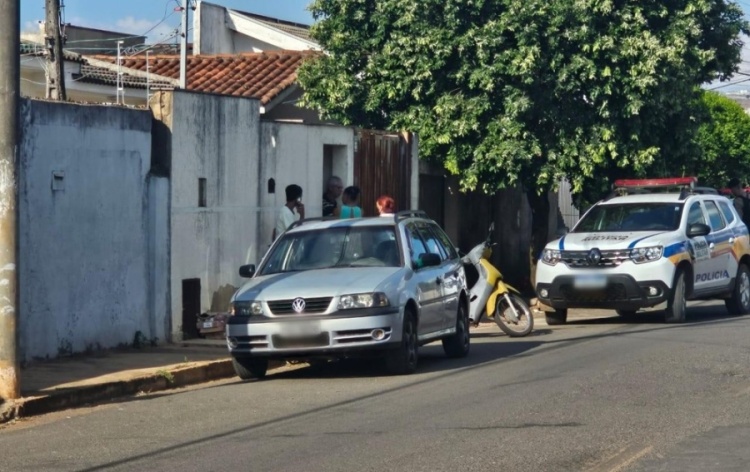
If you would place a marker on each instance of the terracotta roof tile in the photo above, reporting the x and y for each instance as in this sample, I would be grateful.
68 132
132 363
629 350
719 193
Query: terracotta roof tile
258 75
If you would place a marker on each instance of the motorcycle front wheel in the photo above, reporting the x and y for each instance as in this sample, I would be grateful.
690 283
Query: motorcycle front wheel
504 316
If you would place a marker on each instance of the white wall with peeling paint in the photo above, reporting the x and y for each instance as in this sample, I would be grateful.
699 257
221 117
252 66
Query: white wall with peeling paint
84 224
222 140
214 138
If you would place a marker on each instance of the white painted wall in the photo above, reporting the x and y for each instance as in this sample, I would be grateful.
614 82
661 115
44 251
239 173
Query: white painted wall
216 138
84 277
293 154
210 32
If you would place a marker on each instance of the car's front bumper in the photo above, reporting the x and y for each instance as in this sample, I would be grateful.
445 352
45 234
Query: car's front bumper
339 334
621 292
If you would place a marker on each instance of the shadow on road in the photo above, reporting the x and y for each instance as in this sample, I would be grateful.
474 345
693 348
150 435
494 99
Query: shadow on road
431 359
695 314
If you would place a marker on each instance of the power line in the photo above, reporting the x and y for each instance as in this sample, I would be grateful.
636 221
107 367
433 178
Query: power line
730 84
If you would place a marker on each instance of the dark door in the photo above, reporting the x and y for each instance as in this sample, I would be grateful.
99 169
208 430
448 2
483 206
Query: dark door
191 307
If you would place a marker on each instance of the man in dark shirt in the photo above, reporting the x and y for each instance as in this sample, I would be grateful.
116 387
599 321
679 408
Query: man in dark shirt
332 193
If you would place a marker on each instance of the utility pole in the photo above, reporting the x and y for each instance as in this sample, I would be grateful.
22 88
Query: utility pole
10 76
55 60
183 44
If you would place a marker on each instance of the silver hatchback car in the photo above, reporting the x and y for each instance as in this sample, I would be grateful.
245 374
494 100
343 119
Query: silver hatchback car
370 287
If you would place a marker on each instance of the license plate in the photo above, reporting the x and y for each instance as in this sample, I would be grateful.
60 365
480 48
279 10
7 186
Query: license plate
590 282
208 324
300 329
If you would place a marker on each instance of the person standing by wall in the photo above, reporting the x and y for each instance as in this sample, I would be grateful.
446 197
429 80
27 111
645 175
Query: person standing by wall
741 202
330 197
286 215
350 203
386 205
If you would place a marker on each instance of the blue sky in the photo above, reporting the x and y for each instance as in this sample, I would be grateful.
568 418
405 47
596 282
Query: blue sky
140 16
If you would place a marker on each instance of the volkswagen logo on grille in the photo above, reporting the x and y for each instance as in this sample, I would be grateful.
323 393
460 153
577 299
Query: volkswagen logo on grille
298 305
594 257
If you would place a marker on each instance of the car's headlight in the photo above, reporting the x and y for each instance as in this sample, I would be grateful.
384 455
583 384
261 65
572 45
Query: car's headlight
250 308
646 254
551 256
363 300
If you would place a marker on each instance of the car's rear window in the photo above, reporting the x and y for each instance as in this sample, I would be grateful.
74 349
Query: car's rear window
351 246
631 217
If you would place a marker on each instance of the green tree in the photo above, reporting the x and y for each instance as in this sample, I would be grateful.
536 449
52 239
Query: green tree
723 139
509 92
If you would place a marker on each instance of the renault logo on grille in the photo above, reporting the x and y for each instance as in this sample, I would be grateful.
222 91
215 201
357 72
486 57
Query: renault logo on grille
298 305
594 257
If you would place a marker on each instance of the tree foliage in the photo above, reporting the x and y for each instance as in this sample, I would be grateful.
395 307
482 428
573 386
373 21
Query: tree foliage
508 91
723 139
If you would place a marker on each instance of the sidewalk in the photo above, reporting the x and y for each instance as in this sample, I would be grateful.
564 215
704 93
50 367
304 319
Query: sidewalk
87 379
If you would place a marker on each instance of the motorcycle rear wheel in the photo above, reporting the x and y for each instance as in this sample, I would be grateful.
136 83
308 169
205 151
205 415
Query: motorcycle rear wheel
525 319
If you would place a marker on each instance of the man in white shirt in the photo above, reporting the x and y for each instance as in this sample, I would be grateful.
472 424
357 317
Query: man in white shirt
286 215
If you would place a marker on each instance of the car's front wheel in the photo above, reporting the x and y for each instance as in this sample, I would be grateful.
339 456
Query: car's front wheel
739 303
458 344
403 359
248 368
677 304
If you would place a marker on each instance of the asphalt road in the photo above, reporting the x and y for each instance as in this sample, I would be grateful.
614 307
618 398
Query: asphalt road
598 394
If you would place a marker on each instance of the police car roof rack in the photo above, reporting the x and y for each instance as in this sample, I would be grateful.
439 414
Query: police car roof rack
686 185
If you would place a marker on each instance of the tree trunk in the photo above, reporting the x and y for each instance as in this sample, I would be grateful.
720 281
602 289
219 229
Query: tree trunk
540 209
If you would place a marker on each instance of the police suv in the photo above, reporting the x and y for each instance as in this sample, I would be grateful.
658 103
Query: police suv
652 244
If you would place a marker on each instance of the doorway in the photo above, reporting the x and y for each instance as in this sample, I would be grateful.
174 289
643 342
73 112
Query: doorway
191 307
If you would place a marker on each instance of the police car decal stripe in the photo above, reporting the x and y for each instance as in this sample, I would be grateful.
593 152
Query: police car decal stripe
562 243
632 245
674 249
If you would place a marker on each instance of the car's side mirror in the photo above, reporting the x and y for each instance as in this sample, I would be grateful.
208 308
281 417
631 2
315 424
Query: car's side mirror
247 271
698 229
429 259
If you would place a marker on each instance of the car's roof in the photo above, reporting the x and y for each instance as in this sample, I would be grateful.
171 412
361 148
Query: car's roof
318 224
656 198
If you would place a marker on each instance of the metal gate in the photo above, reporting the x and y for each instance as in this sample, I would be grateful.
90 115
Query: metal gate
382 166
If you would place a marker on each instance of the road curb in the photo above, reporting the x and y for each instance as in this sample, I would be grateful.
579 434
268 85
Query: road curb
166 379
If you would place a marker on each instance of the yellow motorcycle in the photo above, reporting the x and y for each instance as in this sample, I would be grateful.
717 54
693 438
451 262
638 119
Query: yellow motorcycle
490 296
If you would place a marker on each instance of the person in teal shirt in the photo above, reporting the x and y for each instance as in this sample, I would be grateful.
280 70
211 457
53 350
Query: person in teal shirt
350 203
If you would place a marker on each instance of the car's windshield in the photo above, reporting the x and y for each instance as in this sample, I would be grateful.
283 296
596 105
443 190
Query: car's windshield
631 217
364 246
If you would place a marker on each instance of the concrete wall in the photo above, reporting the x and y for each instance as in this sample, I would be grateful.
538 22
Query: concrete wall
294 154
210 33
86 207
213 138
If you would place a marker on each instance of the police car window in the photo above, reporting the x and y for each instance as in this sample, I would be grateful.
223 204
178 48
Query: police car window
727 212
626 217
714 215
696 214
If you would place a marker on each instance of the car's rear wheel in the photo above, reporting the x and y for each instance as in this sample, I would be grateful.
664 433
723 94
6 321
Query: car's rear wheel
739 303
557 317
248 368
458 344
403 359
677 304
